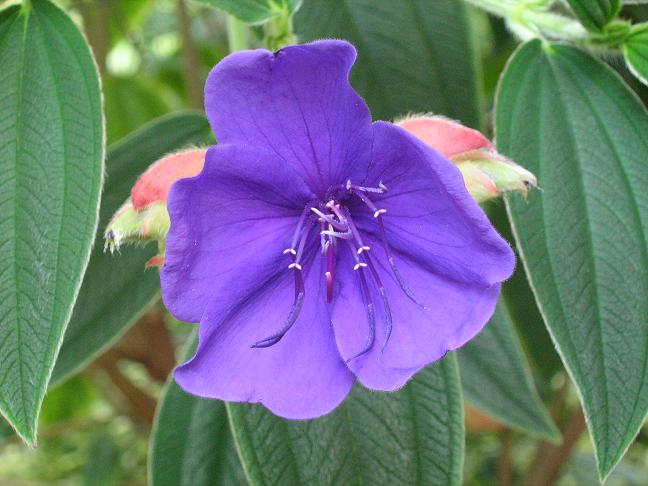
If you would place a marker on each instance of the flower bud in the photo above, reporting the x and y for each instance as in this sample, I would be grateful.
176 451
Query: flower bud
486 173
144 216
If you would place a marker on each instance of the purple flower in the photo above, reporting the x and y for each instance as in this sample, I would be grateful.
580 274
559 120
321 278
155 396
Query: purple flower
317 247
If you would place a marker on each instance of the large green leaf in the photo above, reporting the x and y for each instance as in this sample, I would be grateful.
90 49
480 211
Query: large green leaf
413 56
254 11
583 238
192 444
595 14
116 288
130 103
635 52
412 436
496 378
51 166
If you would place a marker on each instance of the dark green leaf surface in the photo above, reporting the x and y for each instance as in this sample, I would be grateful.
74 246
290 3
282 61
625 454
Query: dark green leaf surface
595 14
254 11
192 444
116 289
413 56
496 379
129 103
635 51
51 165
570 120
522 307
412 436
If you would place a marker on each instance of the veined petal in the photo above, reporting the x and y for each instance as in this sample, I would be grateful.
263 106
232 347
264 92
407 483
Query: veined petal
431 218
300 377
229 227
452 313
297 103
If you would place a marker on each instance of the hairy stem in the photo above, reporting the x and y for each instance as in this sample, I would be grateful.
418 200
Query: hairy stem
533 19
193 86
550 458
237 34
505 464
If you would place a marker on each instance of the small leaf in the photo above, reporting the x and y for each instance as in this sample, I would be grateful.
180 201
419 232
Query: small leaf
595 14
583 239
192 443
51 166
412 436
415 56
635 52
116 289
254 11
496 378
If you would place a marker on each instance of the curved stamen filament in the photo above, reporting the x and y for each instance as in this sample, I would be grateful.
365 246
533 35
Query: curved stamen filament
363 250
303 230
371 310
378 215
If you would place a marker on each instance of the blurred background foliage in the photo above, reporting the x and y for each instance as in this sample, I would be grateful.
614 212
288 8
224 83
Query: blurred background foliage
153 56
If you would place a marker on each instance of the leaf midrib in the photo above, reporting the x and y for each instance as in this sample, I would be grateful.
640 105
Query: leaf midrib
592 261
635 210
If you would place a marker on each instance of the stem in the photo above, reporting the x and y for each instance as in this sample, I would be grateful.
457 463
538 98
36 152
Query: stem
528 19
505 464
193 86
237 34
97 29
551 458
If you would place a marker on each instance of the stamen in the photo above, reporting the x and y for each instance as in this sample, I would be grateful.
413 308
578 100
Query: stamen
381 189
330 264
374 273
301 232
347 235
292 317
300 225
383 296
378 213
340 225
371 317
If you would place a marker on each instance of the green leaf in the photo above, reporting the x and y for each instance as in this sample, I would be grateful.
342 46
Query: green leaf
192 443
103 462
635 52
414 56
254 11
51 166
595 14
412 436
522 308
6 431
116 289
583 238
129 104
496 378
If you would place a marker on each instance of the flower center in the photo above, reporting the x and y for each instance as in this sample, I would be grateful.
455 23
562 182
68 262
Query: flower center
338 229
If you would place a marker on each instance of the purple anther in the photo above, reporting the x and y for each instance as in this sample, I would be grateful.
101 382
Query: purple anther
330 267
